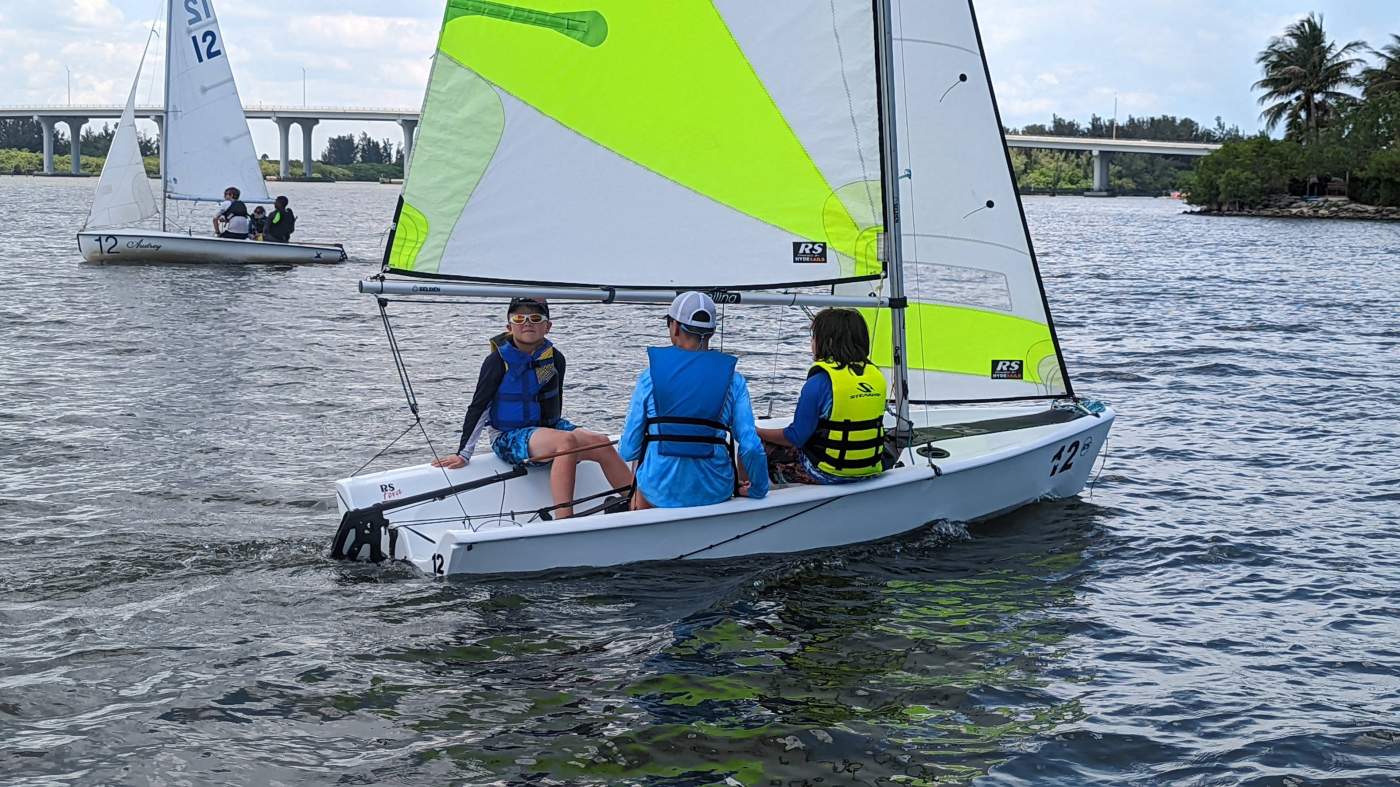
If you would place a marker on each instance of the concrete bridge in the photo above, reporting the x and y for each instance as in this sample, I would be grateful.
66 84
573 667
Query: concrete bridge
307 117
1103 150
76 116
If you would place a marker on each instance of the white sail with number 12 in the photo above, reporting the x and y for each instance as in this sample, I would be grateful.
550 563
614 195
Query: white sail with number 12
622 150
205 148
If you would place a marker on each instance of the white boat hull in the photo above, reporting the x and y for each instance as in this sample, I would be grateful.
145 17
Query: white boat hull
127 246
984 475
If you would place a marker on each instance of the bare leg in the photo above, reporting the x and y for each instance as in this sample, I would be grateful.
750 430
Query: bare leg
639 500
606 456
562 469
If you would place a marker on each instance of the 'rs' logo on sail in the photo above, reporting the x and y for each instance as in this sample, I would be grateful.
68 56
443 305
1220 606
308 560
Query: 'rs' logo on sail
1008 370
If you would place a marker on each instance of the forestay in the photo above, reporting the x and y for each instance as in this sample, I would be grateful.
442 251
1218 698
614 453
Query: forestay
978 326
209 147
124 191
633 143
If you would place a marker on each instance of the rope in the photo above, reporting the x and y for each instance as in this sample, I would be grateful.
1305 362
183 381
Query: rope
399 367
757 529
1103 460
408 429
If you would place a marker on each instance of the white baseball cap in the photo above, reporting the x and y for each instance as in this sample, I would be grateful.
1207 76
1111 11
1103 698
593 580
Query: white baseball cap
696 313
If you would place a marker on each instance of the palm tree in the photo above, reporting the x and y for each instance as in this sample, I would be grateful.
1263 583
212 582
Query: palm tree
1303 77
1384 80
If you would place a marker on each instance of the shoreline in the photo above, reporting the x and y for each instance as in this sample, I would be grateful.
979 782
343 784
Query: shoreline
1298 208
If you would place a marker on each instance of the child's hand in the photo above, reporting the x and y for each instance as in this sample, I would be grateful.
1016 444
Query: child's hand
744 489
450 462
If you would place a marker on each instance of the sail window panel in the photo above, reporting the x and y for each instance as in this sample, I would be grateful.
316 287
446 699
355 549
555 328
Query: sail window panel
966 286
649 145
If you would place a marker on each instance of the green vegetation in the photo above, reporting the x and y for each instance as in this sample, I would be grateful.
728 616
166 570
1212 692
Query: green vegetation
1070 172
321 171
27 162
1335 141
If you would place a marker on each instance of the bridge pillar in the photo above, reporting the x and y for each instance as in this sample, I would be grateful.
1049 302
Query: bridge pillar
306 125
284 154
1101 187
75 142
409 127
47 124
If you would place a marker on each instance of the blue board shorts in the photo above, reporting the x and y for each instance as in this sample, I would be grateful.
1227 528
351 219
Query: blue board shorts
513 447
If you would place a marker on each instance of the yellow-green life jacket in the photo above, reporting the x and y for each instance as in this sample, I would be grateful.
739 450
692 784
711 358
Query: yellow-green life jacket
848 443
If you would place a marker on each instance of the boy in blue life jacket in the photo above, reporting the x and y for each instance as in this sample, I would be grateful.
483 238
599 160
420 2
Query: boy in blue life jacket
688 412
520 394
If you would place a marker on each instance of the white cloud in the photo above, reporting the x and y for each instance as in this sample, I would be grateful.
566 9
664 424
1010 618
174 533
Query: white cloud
1182 57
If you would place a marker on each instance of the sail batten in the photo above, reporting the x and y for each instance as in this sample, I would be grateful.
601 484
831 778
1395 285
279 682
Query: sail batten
651 145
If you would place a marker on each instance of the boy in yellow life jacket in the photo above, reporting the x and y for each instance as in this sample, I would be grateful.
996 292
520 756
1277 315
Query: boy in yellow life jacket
837 434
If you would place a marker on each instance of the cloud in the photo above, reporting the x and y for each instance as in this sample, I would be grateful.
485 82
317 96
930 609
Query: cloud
1181 57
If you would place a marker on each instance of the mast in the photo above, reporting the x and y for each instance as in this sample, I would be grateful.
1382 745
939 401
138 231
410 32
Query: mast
165 107
894 247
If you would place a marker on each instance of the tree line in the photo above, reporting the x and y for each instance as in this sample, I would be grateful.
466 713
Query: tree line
1340 115
346 149
28 135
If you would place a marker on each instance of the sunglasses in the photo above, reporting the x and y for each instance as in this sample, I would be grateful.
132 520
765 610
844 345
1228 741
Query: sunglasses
521 319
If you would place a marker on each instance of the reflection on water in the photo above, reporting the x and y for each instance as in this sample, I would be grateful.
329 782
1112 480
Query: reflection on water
1220 610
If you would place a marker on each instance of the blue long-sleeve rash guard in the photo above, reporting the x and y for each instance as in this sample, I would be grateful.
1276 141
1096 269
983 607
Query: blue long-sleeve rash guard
813 403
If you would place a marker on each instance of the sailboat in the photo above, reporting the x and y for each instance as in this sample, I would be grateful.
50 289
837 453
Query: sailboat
205 147
786 153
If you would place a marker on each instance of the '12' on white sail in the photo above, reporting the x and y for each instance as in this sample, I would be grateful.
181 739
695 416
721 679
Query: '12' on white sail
209 147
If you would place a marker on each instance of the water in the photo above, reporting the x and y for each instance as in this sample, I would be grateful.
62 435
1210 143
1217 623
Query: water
1223 608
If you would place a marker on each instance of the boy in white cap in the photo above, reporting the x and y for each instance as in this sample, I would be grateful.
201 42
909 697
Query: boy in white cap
689 413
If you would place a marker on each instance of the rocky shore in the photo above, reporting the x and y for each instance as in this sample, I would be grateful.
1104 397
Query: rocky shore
1285 207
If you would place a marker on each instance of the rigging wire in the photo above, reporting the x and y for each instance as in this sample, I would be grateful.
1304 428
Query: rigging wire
412 397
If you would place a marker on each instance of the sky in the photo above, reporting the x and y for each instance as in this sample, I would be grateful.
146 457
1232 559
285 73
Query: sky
1192 58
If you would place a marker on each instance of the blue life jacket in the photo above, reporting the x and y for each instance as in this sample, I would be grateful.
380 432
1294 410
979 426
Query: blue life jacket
689 389
529 392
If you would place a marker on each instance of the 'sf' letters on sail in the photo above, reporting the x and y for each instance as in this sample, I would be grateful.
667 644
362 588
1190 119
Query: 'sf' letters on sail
647 145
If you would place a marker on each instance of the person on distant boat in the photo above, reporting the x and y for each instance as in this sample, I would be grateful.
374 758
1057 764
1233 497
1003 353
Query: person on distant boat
281 223
837 434
520 394
234 216
257 224
689 410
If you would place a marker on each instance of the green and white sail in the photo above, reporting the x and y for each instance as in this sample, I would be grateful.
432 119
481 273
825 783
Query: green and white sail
635 143
978 325
208 146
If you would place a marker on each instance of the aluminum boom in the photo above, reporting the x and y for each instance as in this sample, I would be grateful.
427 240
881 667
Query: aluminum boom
609 295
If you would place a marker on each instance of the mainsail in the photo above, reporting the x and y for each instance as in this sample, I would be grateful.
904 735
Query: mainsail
691 143
124 191
208 147
978 326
